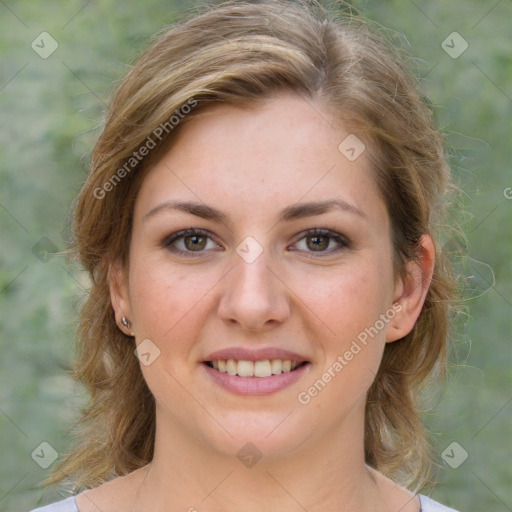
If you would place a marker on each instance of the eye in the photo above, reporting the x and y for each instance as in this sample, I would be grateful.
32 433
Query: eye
189 241
322 241
193 242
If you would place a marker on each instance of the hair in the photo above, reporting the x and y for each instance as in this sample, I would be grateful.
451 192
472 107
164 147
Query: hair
241 53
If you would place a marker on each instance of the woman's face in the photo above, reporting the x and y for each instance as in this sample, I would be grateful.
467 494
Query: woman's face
258 238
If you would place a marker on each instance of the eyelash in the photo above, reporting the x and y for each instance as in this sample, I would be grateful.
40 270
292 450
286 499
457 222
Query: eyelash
342 241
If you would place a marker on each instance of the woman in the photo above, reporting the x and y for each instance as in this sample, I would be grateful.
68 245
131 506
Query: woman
260 226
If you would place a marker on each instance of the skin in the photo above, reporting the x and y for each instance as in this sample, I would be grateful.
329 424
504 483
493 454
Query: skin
252 163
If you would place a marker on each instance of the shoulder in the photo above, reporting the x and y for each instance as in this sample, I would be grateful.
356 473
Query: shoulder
429 505
67 505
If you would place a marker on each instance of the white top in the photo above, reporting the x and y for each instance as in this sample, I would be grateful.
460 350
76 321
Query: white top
69 505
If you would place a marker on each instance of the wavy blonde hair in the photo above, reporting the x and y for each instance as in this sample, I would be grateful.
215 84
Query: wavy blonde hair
241 52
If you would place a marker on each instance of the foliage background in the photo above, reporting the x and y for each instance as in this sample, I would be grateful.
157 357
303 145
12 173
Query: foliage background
51 114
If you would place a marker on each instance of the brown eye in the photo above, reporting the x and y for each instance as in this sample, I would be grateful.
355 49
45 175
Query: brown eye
192 242
323 242
318 242
195 242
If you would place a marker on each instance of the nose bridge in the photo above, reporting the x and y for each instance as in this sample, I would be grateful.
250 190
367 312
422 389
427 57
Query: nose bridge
253 296
253 277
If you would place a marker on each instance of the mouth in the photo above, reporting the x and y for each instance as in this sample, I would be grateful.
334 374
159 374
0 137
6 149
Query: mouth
255 369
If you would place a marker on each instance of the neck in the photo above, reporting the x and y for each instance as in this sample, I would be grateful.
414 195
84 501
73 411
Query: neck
325 473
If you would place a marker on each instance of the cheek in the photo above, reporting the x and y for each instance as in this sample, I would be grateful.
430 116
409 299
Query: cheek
169 309
347 300
168 304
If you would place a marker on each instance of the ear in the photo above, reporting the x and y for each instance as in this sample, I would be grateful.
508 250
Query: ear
411 291
119 297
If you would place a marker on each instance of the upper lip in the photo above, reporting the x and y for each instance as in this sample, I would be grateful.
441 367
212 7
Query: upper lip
241 353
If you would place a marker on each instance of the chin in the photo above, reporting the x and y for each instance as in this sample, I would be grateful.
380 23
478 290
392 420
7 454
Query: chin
266 435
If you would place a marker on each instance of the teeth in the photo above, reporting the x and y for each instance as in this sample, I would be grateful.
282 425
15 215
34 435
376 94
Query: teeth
277 366
262 368
231 366
244 368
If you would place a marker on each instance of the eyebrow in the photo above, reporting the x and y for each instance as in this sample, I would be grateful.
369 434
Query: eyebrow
296 211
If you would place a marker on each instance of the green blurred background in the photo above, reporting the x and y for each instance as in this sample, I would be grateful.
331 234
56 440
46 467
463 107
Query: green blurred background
51 112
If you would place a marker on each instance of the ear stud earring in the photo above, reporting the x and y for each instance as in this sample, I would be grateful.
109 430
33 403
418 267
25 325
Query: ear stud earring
127 324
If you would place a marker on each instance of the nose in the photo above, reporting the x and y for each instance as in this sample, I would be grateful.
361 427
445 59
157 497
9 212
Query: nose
254 297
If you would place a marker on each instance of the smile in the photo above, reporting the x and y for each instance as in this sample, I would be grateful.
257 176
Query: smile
245 368
255 378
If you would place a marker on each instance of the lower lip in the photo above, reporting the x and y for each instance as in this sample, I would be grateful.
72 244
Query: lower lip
256 386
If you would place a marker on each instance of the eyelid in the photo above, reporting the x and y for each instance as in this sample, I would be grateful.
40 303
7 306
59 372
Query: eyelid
342 241
168 241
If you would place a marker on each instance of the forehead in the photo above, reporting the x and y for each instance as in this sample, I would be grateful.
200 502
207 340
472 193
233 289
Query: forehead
284 150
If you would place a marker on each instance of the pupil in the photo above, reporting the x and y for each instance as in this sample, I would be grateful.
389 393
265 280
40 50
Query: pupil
319 242
195 242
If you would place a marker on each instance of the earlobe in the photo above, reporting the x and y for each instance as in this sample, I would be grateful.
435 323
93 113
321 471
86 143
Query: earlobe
412 291
119 297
